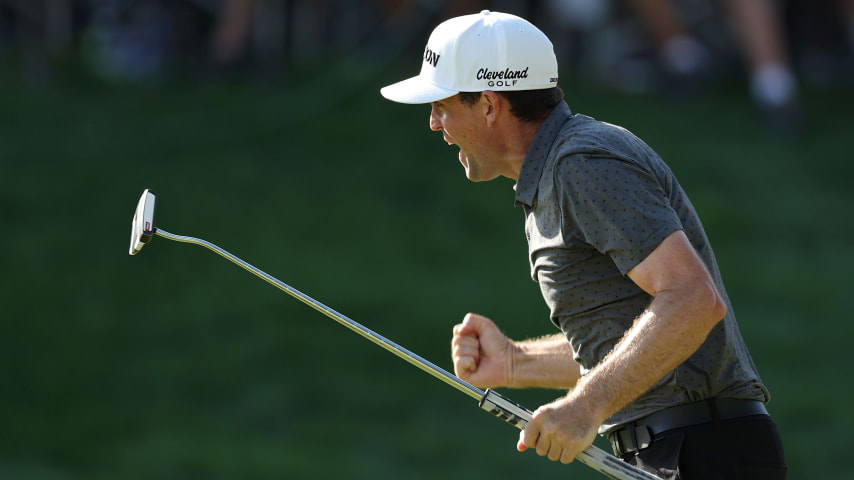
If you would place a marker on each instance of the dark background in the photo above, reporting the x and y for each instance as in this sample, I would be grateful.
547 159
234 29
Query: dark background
175 364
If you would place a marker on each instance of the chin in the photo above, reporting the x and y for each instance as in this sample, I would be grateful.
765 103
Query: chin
474 177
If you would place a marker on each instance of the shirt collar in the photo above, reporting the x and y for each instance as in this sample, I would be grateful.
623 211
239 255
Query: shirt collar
535 159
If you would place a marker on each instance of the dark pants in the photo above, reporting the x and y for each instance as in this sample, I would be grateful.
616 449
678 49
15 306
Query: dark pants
743 448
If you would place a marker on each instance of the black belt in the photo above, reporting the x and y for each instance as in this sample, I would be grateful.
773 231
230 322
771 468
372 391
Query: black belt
638 435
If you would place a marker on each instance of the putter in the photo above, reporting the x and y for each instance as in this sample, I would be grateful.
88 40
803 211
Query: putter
143 230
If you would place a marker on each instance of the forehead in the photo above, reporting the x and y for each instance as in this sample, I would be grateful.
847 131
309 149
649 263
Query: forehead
452 100
455 104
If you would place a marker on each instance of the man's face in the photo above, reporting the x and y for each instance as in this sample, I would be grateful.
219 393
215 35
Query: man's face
465 126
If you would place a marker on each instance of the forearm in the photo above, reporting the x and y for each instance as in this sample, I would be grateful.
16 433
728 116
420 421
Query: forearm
672 328
545 362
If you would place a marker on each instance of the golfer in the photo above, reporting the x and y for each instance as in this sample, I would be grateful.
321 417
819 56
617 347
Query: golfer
650 353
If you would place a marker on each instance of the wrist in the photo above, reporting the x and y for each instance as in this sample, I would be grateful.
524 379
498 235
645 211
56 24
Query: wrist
545 362
524 369
512 358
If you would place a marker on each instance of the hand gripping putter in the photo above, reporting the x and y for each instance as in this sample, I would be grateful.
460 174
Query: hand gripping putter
143 230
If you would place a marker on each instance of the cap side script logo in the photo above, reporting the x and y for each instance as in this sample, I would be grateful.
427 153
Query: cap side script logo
431 57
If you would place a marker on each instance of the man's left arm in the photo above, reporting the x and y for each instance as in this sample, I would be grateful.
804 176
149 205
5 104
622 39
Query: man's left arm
685 307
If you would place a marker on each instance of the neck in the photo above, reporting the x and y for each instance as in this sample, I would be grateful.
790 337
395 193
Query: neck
517 150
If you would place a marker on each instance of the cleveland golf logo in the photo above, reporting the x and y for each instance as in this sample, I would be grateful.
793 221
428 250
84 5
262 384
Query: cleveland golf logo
503 78
431 57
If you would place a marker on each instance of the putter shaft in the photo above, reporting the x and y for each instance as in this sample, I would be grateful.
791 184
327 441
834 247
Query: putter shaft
489 400
414 359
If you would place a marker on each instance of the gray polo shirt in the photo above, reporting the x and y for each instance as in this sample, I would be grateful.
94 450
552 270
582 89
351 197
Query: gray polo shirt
597 201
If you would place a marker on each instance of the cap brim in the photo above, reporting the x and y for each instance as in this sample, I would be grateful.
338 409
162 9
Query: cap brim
416 90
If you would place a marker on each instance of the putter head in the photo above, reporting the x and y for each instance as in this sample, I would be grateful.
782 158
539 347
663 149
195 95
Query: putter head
142 225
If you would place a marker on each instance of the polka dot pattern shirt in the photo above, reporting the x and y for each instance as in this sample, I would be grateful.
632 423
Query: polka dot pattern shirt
597 201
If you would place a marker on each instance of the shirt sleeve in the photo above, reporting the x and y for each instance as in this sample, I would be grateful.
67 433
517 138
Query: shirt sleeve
615 205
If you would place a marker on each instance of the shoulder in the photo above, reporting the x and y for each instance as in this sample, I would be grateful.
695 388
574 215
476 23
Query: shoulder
587 146
584 134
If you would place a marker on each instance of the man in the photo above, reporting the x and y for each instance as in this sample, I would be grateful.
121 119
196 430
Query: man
650 354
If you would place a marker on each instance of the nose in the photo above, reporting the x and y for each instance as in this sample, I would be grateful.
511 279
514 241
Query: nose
435 124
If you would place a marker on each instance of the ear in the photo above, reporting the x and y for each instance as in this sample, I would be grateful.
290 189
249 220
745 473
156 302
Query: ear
492 105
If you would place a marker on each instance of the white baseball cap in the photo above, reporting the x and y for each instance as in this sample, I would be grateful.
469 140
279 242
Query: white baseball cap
484 51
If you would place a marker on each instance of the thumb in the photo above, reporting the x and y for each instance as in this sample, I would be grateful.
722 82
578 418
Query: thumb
520 445
474 323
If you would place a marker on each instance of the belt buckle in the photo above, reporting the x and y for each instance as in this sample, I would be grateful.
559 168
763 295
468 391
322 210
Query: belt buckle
631 439
615 443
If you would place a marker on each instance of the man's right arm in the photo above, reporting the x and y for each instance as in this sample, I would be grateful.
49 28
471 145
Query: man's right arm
545 362
485 357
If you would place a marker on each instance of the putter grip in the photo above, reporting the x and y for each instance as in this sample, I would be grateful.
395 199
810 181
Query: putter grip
505 409
592 456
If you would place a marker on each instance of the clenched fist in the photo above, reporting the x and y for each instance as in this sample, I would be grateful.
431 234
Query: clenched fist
482 355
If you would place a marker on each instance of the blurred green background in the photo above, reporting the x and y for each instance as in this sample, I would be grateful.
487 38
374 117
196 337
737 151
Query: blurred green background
175 364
